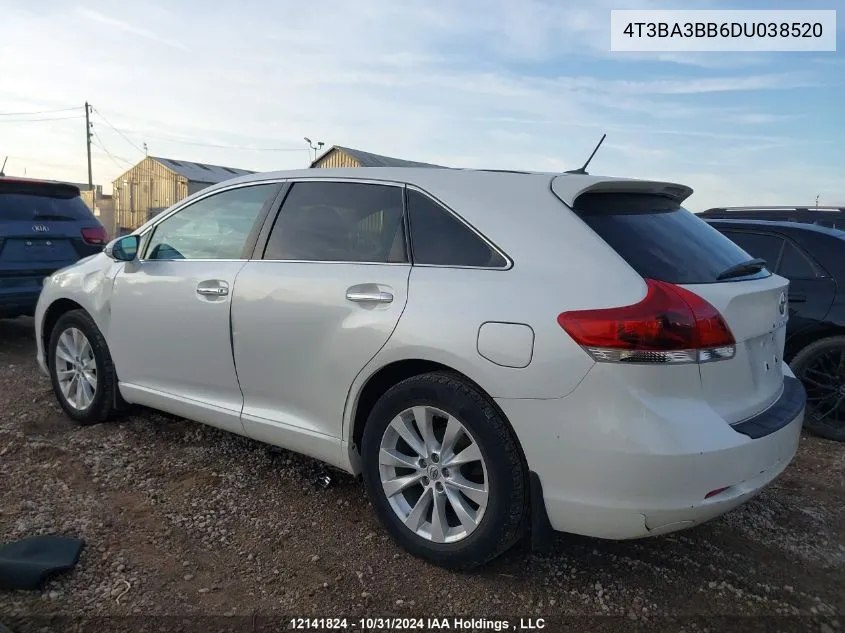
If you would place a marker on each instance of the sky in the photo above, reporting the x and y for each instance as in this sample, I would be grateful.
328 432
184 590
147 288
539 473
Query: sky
504 84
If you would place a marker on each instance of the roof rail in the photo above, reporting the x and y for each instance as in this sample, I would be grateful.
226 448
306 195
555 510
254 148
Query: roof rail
811 207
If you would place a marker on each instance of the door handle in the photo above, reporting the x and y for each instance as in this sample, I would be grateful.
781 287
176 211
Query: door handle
213 289
213 292
368 293
797 298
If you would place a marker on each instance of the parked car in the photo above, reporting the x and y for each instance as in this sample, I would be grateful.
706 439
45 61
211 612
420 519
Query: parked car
833 217
811 257
495 353
44 226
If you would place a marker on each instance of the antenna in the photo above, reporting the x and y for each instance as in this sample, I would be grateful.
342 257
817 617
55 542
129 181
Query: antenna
4 166
583 169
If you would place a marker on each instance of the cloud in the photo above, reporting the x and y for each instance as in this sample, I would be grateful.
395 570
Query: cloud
478 83
743 83
761 118
128 28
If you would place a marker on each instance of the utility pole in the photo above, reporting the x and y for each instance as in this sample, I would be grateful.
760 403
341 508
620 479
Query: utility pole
88 136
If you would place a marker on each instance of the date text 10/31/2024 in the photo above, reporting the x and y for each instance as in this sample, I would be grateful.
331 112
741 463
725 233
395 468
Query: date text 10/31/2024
416 624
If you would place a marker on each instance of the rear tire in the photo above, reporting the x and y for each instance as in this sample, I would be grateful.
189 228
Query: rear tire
81 369
821 367
463 508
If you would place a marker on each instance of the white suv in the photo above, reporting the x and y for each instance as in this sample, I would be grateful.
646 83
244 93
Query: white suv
497 353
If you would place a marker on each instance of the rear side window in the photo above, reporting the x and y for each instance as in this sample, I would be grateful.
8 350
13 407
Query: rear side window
794 265
28 203
438 238
660 239
761 245
339 222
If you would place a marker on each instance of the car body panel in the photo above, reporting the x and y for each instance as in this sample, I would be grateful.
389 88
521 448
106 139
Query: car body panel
36 241
755 311
193 362
294 331
88 284
816 305
284 357
654 470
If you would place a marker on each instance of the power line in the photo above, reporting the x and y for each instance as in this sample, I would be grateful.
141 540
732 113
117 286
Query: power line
197 143
125 138
39 111
111 157
57 118
238 147
102 146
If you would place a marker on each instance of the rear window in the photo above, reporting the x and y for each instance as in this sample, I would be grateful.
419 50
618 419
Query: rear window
24 202
660 239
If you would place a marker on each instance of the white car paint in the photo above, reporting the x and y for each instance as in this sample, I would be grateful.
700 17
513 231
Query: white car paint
621 451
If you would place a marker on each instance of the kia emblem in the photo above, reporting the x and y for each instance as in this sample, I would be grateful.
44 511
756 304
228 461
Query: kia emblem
782 304
40 228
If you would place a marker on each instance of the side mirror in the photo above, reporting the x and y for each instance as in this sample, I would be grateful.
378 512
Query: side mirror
123 249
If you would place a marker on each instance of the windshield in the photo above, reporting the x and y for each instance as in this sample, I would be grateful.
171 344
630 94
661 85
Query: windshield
30 207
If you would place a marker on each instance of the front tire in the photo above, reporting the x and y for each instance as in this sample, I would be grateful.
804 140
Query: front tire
821 367
81 369
444 471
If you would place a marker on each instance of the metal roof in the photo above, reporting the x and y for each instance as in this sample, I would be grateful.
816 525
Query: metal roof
368 159
201 172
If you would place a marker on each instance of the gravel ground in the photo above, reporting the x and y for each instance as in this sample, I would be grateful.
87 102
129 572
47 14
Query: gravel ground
181 519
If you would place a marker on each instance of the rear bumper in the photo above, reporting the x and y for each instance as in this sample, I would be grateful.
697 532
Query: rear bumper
618 472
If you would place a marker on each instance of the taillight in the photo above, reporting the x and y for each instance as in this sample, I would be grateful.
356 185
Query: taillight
95 235
670 325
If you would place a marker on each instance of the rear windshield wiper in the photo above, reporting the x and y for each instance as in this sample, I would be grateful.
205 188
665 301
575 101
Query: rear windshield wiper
745 268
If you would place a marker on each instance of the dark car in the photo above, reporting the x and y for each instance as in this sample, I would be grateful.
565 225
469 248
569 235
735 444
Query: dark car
833 217
812 257
44 226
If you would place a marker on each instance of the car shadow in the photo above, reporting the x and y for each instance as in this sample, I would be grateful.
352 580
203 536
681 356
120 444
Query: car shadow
16 333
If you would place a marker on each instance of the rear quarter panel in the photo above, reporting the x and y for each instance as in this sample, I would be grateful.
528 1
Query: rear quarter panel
559 264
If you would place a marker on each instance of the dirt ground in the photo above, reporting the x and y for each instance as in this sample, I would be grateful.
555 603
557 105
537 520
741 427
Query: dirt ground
182 520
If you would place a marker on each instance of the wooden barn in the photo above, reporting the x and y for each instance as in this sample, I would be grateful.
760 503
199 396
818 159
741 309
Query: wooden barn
337 156
156 183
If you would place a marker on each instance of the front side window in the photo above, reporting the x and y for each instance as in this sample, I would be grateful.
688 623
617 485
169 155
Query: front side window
339 222
216 227
438 238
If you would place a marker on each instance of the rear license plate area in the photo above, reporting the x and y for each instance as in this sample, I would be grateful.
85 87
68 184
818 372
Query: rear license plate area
765 355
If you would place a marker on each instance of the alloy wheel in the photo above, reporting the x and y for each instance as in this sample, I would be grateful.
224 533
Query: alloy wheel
823 376
76 368
433 474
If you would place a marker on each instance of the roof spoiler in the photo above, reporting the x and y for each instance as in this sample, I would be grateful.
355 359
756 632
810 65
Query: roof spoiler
32 185
563 189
